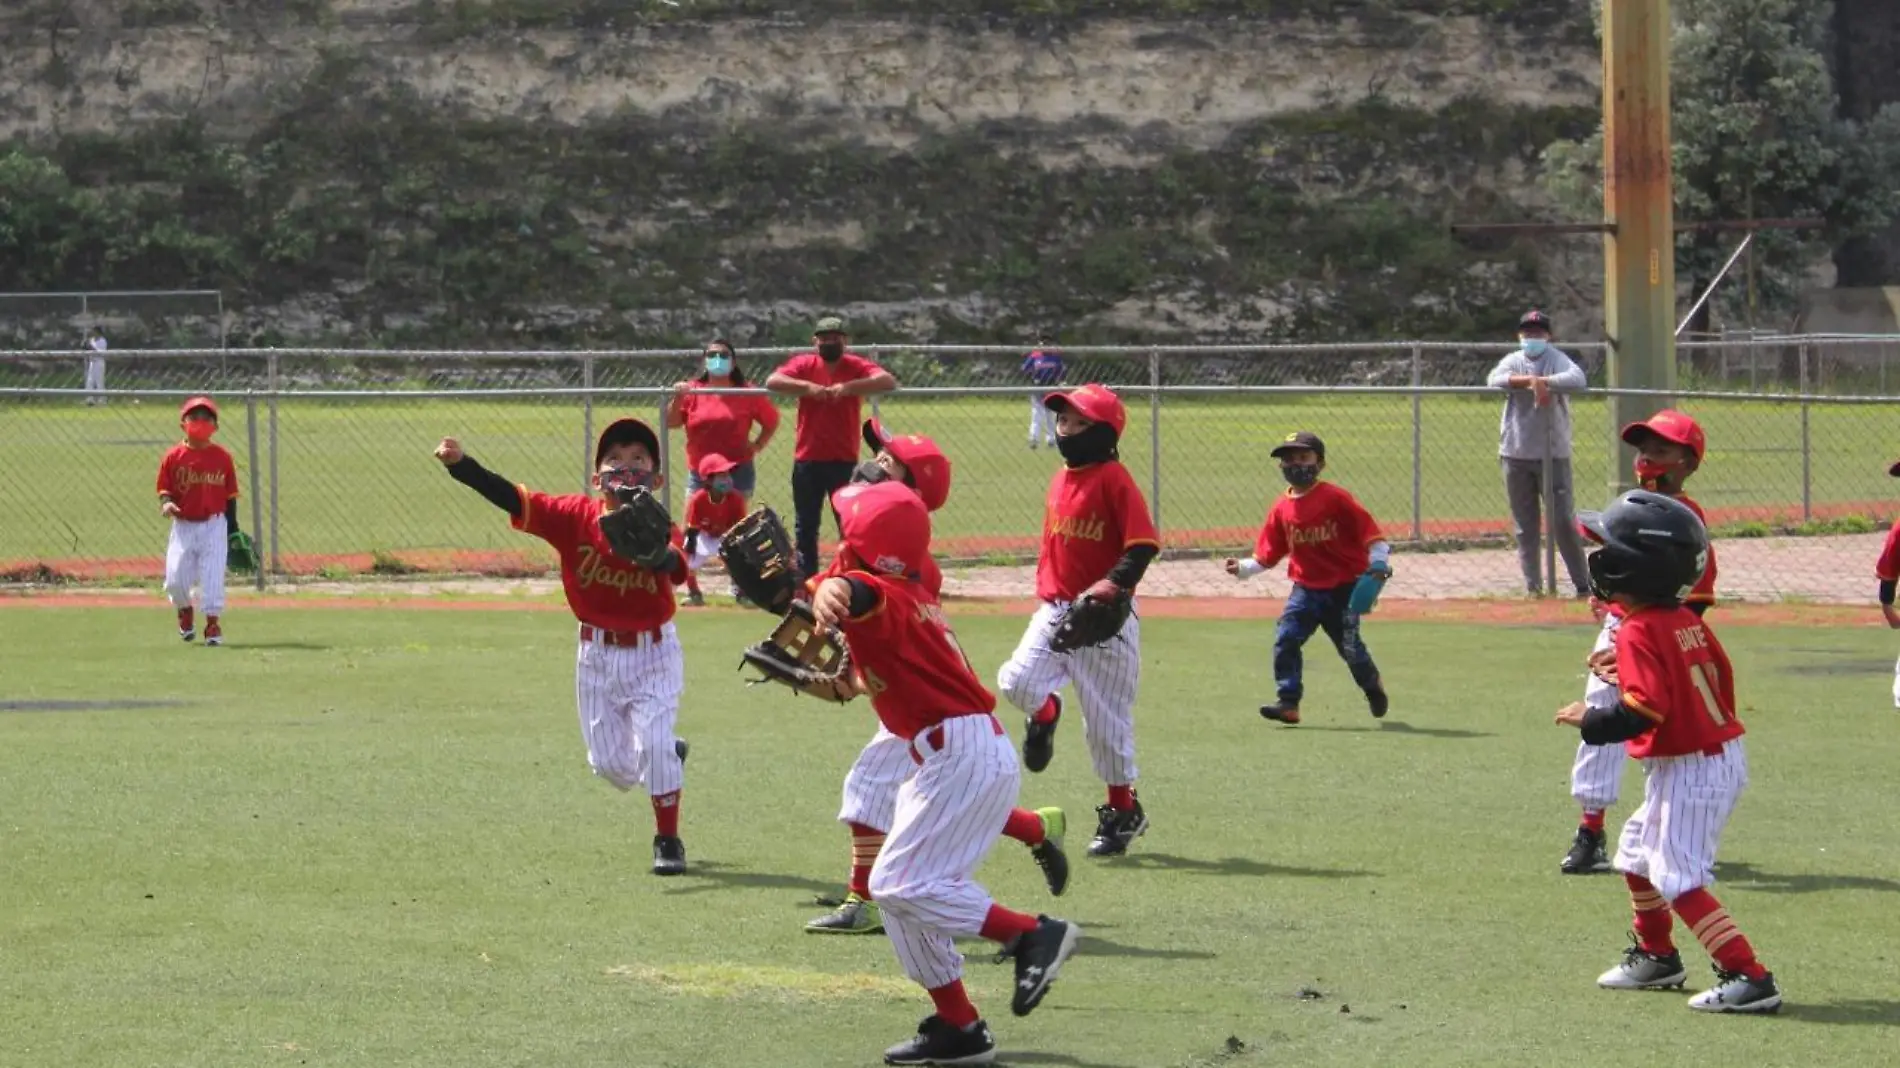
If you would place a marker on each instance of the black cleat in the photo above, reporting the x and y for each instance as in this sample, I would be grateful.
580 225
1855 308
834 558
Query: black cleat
680 749
1735 992
1282 712
1115 830
1039 740
1643 970
1039 956
936 1042
669 855
1049 855
1586 854
1376 701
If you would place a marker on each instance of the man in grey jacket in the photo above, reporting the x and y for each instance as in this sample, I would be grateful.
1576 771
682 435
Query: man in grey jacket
1536 418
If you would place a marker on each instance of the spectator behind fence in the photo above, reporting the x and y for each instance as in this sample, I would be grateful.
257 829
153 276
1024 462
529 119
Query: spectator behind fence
95 366
721 424
1536 423
828 383
1044 368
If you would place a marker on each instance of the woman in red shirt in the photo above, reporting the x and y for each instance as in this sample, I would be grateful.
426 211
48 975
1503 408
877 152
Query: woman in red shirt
721 423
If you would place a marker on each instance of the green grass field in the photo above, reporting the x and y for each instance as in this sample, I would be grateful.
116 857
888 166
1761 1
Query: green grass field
358 477
368 837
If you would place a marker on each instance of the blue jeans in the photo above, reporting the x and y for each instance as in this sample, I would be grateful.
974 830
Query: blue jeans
745 479
1308 610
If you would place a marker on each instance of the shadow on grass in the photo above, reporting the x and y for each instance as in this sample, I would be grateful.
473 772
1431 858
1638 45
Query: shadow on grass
1860 1011
1232 866
706 876
1091 946
295 647
1392 726
84 706
1748 875
1005 1057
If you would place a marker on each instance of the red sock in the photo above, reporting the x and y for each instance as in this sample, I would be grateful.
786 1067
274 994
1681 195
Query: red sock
865 844
1718 934
666 814
1121 798
1049 710
953 1004
1001 925
1593 820
1652 919
1024 826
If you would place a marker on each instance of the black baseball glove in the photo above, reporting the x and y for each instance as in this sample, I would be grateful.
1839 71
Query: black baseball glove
759 558
797 657
639 530
1093 618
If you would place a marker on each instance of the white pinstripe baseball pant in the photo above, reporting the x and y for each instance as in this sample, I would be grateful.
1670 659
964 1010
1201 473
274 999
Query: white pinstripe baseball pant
948 817
1687 800
629 700
195 555
1596 777
1105 677
870 788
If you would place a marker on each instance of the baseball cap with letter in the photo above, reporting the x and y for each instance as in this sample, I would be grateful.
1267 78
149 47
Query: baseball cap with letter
1300 439
929 468
1094 402
885 525
199 401
1534 320
1671 426
626 432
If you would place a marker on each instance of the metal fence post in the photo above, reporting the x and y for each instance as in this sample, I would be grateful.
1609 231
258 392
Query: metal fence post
1418 441
666 454
1550 505
587 421
1807 453
272 379
251 464
1154 435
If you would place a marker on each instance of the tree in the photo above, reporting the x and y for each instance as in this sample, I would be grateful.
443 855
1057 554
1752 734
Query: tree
1867 68
1758 133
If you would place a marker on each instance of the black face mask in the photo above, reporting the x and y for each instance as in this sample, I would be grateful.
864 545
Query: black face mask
1092 446
870 473
831 351
1300 474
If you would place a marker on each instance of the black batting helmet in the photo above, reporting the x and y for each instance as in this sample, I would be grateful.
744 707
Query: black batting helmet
1648 545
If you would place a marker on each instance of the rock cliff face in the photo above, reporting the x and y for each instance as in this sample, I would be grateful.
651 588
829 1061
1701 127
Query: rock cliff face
382 173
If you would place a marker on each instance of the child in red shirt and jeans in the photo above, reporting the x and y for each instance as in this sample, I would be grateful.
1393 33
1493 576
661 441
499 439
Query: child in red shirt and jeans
1331 544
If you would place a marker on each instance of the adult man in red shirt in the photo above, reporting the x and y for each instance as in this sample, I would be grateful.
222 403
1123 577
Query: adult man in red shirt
829 382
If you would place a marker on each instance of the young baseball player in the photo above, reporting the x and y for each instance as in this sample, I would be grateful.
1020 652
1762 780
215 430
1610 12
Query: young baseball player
1676 711
1097 538
870 789
1887 570
630 671
1329 541
198 492
955 804
710 512
1669 447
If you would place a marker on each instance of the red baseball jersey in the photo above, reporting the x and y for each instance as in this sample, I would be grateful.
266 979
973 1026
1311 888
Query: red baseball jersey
1673 671
1704 592
1887 568
200 480
722 424
829 429
1092 514
844 562
1325 532
602 589
910 661
714 517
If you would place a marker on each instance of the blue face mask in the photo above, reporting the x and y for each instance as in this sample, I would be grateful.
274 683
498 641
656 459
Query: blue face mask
718 363
1535 346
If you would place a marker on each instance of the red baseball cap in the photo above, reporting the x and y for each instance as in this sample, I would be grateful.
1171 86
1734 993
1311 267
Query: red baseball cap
198 402
929 468
714 464
1094 402
885 525
1671 426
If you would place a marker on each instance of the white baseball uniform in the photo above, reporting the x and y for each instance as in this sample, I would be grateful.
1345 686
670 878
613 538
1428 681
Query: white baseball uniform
1896 684
195 557
629 699
1105 678
949 815
1597 775
1671 839
705 550
870 788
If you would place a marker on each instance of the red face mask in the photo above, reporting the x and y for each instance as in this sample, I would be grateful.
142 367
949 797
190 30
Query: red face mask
200 430
1658 477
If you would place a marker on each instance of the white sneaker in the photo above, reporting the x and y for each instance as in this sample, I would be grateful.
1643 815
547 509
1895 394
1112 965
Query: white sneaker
1735 992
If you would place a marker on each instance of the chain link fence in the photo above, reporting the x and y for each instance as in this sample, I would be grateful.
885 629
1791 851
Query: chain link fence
333 450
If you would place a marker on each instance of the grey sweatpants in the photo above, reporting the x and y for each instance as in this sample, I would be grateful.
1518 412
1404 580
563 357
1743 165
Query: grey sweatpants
1524 487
